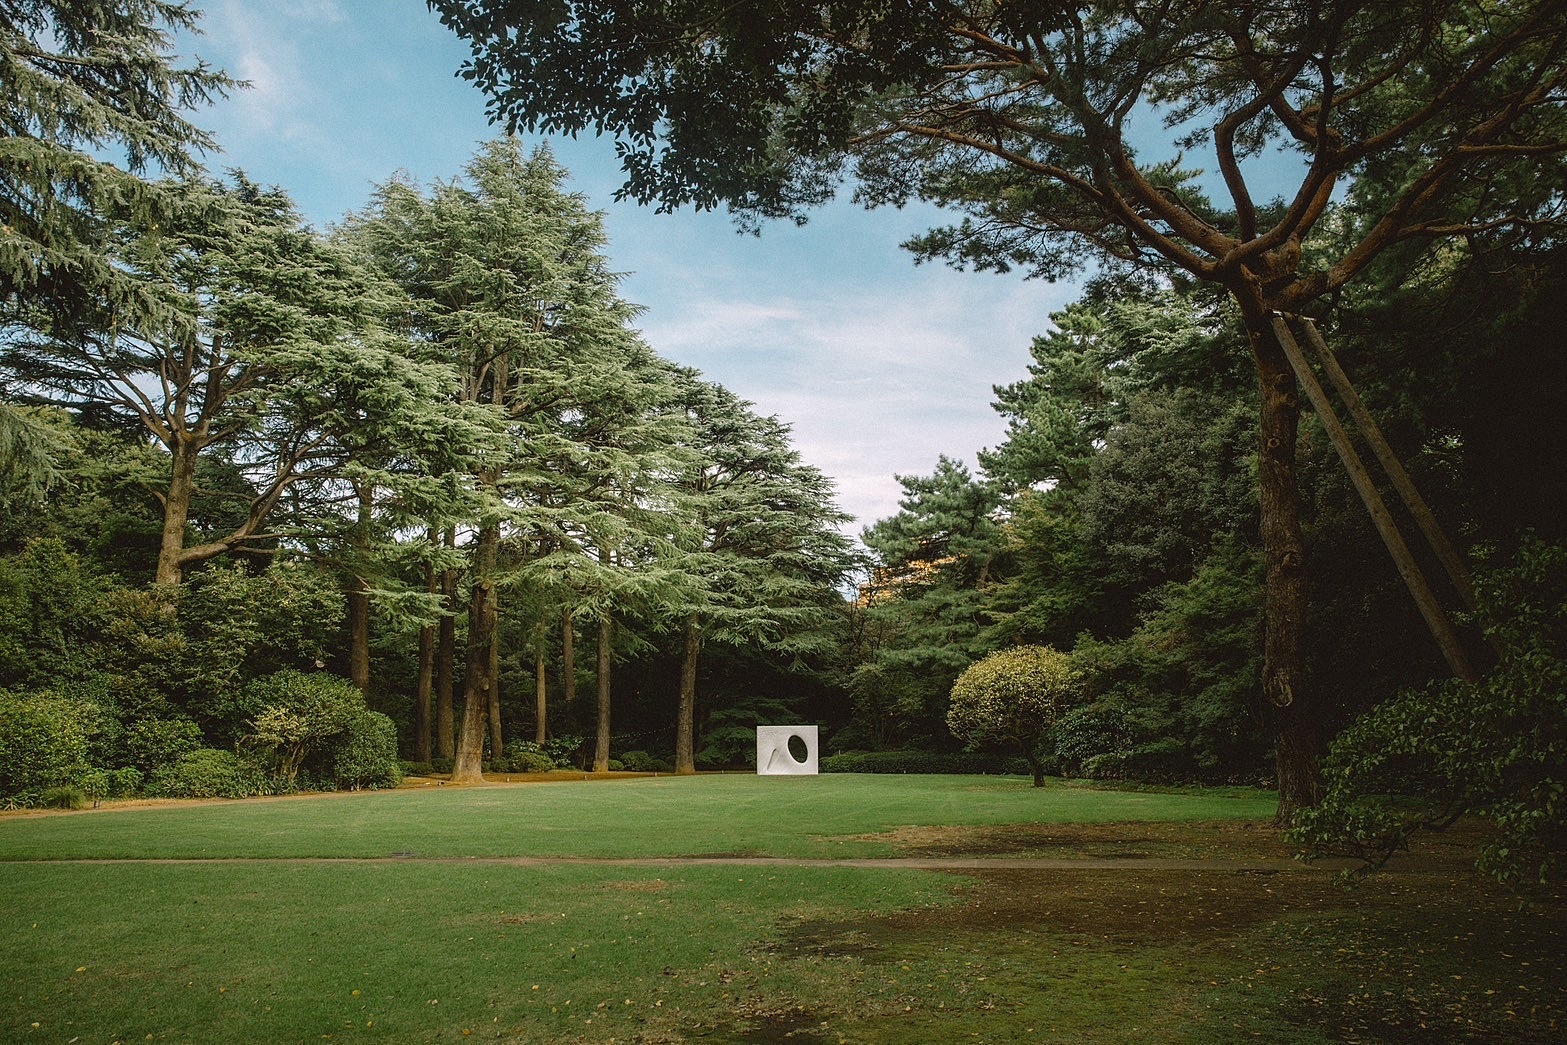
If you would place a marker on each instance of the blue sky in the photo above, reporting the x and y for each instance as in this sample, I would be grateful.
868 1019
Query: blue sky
877 364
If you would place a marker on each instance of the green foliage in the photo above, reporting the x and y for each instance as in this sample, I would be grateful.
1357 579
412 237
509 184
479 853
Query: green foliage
207 773
298 715
912 761
1497 750
50 610
92 99
64 796
523 759
1011 698
642 762
365 753
153 742
43 744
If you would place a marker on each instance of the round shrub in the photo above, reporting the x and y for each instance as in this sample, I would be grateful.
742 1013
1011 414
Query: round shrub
206 773
155 742
1010 699
299 714
366 753
43 744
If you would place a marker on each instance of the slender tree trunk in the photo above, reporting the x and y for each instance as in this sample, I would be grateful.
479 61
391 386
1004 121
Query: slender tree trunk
359 598
497 742
176 511
606 640
424 689
422 693
1288 699
359 635
540 691
685 717
568 659
479 681
446 660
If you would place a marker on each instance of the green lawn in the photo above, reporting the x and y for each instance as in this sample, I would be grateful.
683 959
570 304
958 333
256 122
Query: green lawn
805 816
436 947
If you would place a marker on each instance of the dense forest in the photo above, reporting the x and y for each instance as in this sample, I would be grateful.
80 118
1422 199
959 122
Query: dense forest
284 508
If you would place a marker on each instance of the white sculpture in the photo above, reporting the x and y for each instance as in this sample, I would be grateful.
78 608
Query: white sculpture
773 757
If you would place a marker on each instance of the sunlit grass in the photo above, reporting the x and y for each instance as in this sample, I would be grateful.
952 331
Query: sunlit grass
665 816
425 942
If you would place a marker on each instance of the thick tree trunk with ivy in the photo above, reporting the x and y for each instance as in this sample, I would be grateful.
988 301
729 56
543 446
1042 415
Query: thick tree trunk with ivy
685 717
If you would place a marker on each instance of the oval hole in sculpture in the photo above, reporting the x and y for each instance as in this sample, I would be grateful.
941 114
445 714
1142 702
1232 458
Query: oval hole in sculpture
797 749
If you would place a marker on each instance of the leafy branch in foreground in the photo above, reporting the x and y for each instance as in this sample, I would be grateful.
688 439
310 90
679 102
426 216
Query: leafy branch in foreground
1497 750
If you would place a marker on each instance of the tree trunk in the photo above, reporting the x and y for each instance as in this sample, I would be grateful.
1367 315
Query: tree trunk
497 742
568 659
446 660
540 691
425 687
176 511
359 596
1291 710
359 635
601 750
422 694
479 681
685 717
1036 767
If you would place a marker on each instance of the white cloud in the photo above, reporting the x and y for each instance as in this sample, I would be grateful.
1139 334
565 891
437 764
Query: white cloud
873 383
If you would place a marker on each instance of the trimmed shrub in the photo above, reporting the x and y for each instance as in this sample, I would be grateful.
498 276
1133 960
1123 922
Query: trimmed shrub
299 715
441 764
970 762
207 773
366 753
153 743
417 768
642 762
1012 698
43 744
524 759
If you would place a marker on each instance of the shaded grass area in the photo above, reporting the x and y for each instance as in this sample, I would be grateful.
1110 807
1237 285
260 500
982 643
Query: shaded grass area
822 816
444 950
410 952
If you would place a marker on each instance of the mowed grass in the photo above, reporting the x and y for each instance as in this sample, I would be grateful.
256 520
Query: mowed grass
441 947
733 814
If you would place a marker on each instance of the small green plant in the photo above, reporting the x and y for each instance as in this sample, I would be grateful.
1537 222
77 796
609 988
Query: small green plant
66 796
207 773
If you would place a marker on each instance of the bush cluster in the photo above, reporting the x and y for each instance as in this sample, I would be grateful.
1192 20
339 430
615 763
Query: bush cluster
922 762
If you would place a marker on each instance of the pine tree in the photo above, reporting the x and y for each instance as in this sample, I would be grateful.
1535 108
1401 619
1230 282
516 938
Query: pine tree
84 80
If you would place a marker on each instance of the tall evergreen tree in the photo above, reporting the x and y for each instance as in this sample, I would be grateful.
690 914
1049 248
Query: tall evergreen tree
87 83
766 550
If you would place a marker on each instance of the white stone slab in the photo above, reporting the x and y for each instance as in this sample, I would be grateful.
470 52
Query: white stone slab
773 757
